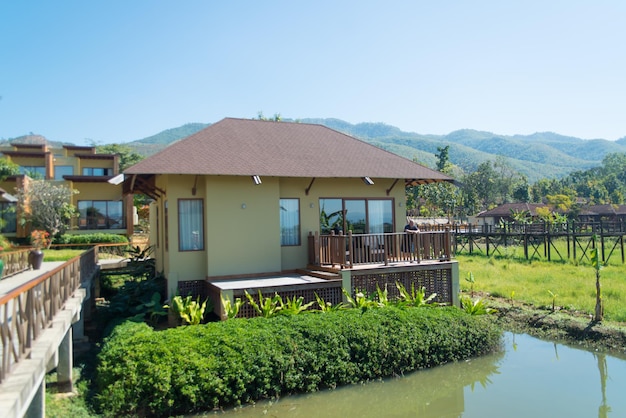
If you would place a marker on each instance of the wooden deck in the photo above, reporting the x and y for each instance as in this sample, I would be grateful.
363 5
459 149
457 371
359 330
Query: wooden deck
328 283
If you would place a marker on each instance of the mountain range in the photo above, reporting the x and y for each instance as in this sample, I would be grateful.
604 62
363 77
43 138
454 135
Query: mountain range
536 156
540 155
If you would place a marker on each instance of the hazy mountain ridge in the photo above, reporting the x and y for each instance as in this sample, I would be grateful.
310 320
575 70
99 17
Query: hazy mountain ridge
536 156
539 155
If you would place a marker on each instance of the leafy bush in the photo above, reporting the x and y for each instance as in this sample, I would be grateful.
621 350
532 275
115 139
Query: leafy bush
189 369
190 311
138 300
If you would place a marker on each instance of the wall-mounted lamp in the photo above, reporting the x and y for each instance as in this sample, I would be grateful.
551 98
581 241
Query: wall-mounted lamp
243 206
311 205
400 204
368 181
256 180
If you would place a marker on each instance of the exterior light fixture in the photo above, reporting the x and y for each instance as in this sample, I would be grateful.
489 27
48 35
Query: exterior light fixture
368 181
256 180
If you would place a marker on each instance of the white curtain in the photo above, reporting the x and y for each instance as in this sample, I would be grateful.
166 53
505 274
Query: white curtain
289 222
190 225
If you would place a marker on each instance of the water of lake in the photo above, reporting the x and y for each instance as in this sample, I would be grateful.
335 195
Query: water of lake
530 378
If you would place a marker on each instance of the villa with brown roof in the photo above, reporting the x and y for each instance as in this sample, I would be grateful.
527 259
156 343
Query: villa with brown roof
285 207
505 211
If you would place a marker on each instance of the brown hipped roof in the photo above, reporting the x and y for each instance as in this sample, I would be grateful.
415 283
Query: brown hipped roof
244 147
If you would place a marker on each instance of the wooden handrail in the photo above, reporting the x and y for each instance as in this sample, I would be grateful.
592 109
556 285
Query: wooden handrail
30 308
354 249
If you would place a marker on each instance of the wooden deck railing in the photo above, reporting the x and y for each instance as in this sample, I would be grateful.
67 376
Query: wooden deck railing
27 310
354 249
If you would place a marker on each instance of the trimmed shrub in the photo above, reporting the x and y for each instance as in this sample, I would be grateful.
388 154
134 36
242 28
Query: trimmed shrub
96 238
198 368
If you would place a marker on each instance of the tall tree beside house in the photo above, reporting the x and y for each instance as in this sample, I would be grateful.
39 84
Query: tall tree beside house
127 156
492 184
441 199
46 206
8 168
443 159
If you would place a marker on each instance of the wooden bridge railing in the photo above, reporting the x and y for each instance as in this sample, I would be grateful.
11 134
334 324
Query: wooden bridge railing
354 249
27 310
14 261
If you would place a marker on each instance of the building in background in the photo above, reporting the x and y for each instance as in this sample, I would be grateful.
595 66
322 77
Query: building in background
101 204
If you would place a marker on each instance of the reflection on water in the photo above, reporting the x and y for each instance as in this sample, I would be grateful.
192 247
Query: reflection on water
530 378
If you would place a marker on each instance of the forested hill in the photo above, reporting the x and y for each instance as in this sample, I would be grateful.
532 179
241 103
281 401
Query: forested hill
540 155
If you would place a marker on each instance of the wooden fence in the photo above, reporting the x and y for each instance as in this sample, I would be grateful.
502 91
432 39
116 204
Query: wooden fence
27 310
558 241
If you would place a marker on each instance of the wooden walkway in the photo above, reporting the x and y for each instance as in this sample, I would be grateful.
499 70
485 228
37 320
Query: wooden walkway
40 313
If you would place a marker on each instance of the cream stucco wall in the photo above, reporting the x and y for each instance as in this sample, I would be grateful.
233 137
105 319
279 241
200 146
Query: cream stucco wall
179 265
243 228
242 222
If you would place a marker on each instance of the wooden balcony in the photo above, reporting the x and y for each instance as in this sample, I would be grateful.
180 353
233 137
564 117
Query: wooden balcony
352 250
351 263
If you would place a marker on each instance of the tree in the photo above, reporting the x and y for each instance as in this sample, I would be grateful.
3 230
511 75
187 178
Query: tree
597 265
8 168
276 118
443 160
127 156
441 198
46 206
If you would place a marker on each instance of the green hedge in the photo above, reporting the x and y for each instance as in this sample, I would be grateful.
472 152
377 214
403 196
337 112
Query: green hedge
97 238
220 364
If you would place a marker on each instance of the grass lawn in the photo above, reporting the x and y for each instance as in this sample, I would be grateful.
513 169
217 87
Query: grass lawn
570 285
61 255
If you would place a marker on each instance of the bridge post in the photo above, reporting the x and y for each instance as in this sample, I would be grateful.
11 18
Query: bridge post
37 407
66 363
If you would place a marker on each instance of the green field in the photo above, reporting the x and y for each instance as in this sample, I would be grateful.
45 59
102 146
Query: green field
569 284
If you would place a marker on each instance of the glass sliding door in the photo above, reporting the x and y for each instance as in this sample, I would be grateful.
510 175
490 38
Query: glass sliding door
361 216
380 216
355 216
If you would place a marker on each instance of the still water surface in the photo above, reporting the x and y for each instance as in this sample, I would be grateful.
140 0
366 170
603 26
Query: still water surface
530 378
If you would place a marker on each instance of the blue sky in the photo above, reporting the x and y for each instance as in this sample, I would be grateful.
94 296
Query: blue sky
115 71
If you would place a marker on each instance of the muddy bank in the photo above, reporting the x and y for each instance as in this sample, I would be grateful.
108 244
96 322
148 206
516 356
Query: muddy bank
563 326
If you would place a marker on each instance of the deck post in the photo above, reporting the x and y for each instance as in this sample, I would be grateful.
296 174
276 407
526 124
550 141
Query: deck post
346 283
456 285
